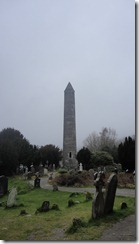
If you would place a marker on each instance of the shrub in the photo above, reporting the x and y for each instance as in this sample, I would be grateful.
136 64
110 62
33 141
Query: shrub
76 179
101 158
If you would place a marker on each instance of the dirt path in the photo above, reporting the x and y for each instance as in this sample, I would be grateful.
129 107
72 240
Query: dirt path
119 192
124 230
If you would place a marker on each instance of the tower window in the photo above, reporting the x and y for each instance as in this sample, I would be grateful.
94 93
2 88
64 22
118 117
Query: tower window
70 154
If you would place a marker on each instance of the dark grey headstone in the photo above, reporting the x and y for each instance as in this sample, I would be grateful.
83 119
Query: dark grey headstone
110 193
37 182
44 207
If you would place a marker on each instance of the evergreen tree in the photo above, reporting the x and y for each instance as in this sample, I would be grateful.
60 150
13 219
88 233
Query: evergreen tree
84 156
14 149
101 158
51 154
126 153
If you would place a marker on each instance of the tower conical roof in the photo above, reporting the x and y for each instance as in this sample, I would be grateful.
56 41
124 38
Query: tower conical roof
69 87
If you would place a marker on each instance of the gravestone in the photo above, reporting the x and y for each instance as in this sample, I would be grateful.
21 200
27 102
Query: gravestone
98 201
45 171
11 201
26 170
25 175
61 164
51 176
54 167
29 175
110 193
55 207
80 167
123 205
44 207
37 182
41 170
3 185
55 187
91 172
21 169
32 169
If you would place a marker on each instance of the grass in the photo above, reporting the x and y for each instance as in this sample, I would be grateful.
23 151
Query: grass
50 225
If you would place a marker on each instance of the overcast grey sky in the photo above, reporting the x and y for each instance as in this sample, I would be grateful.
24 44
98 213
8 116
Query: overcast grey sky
44 44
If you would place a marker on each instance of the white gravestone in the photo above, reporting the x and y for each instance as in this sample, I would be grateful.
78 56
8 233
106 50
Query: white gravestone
11 202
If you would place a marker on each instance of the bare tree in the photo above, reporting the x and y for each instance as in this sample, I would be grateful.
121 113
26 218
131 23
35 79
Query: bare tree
100 141
107 138
92 142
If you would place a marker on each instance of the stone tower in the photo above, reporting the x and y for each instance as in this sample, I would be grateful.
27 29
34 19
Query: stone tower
69 133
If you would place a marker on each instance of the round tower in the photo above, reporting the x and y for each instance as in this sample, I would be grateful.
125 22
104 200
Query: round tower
69 133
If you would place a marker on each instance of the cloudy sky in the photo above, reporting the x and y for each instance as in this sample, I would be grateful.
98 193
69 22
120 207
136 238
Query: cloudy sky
44 44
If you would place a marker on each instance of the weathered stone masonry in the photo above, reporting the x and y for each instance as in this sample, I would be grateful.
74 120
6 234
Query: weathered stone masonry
69 133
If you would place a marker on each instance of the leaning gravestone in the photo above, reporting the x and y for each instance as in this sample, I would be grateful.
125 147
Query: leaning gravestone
11 201
110 193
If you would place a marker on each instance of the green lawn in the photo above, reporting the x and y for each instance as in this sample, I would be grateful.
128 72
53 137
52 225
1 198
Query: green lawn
54 225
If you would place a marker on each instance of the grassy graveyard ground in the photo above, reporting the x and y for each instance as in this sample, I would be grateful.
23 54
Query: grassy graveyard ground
54 224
